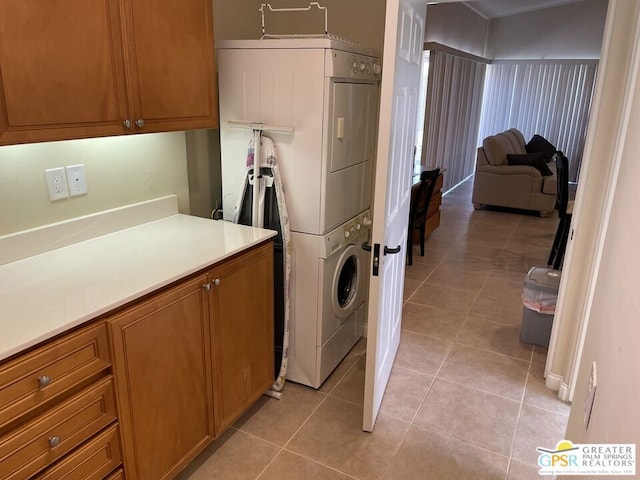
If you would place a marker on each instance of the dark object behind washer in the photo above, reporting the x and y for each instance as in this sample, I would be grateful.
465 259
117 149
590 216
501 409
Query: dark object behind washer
272 222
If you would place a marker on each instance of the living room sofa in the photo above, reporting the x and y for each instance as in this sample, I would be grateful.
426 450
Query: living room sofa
499 183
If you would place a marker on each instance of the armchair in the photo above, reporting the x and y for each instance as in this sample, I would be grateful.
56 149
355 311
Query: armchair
500 184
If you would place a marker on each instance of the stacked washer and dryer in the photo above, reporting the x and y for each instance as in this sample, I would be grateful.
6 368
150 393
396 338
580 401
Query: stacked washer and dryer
327 90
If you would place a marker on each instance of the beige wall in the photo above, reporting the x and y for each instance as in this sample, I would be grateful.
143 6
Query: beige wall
568 31
456 26
613 318
120 171
361 21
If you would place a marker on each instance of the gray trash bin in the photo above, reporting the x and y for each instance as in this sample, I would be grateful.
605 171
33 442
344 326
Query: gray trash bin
539 296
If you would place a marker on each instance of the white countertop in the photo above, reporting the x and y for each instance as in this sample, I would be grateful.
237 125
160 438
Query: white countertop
46 294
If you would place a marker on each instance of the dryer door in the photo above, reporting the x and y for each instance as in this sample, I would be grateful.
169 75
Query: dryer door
346 286
353 110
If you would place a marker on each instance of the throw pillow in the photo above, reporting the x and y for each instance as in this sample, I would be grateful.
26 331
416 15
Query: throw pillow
540 144
535 160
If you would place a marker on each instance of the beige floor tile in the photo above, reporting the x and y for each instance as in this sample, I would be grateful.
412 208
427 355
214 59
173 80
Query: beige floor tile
288 466
419 271
477 257
404 392
467 279
487 335
351 387
410 286
524 471
344 366
537 428
235 455
277 420
496 239
436 322
539 355
538 395
505 310
491 372
421 353
503 286
468 414
445 297
427 455
333 436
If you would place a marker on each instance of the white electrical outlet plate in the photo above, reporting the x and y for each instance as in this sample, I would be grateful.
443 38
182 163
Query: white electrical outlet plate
56 183
77 180
590 395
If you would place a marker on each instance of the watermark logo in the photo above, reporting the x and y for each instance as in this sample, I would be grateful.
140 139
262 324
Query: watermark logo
587 459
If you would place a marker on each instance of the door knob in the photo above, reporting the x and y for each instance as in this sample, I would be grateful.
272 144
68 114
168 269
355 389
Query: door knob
127 123
140 123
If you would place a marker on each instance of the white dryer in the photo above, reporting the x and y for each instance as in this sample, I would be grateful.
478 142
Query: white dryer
329 286
327 90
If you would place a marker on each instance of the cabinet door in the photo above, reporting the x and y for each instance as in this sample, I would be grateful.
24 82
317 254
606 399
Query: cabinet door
170 57
163 379
61 70
242 312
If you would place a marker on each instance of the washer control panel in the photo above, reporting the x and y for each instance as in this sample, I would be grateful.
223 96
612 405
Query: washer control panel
355 231
351 65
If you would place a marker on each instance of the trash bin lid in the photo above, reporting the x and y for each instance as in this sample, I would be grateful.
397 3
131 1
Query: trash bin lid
543 279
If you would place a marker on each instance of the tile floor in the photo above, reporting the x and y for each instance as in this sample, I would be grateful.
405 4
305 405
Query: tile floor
466 399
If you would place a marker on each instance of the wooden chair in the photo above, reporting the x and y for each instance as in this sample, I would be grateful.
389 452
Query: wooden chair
565 210
420 196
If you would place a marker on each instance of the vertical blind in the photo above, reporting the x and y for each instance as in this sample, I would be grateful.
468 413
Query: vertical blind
452 115
550 98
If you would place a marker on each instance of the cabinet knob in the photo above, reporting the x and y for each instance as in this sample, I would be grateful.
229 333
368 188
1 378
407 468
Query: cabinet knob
140 123
54 442
207 286
44 380
216 281
127 123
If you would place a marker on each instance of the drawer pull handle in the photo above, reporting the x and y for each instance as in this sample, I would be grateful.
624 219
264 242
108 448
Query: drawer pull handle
216 281
44 381
54 442
207 286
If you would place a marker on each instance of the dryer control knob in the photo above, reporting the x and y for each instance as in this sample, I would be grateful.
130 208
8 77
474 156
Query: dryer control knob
347 234
355 67
358 226
377 68
363 67
366 221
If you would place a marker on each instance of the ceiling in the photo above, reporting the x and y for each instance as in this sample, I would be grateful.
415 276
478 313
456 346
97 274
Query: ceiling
504 8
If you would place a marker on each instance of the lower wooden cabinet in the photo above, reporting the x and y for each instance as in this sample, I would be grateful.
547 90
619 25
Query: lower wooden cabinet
161 360
242 314
140 394
189 361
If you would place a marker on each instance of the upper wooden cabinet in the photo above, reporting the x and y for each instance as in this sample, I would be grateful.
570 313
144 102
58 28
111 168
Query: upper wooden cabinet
84 68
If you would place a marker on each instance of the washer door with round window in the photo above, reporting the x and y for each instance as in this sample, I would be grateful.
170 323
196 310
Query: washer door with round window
345 295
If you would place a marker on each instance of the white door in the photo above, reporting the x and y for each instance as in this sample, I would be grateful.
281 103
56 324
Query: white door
394 168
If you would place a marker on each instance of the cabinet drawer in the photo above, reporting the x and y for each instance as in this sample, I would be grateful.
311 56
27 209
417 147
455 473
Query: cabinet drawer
31 447
91 461
119 475
50 371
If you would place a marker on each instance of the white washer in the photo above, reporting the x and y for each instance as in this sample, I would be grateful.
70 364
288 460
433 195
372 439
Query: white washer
325 89
329 286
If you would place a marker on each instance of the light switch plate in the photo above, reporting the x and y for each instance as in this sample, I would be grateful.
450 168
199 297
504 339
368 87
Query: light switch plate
77 180
56 183
590 395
